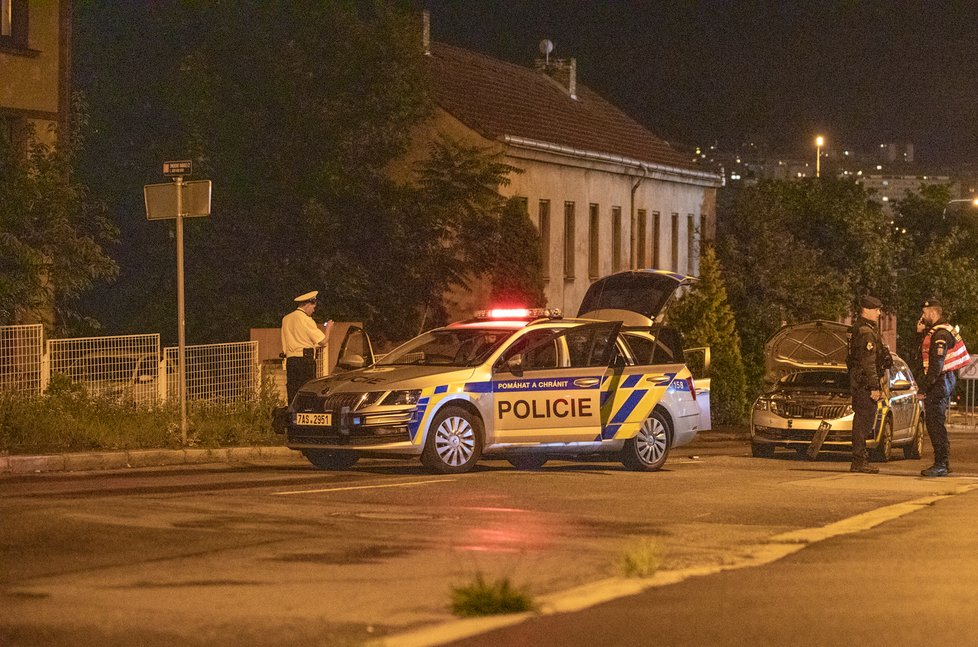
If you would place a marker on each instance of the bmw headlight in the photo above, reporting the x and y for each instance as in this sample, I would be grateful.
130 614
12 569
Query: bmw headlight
847 411
762 405
402 398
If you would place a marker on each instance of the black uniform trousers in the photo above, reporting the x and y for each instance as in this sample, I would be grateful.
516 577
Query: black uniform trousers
935 416
298 371
863 416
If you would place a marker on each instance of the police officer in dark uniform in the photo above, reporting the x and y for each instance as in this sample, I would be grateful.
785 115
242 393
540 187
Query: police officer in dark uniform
868 360
939 350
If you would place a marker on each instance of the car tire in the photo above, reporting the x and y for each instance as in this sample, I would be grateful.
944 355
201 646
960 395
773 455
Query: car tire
330 460
648 450
762 450
454 442
881 453
916 446
528 461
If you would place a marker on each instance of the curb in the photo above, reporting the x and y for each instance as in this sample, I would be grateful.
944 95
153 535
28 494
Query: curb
93 461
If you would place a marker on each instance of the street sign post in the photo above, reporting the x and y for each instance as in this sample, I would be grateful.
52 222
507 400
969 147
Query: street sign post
179 200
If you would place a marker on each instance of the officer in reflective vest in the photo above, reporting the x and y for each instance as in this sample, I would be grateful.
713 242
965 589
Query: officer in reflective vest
943 352
867 360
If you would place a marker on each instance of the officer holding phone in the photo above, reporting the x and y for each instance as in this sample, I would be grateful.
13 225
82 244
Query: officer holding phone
300 339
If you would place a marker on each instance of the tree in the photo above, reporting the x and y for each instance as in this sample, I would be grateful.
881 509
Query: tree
52 229
706 319
794 251
517 273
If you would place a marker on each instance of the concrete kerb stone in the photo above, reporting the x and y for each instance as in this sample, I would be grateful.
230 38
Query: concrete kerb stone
199 456
155 457
95 461
243 454
31 464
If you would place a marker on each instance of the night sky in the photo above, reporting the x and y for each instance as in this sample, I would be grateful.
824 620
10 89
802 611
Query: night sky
772 73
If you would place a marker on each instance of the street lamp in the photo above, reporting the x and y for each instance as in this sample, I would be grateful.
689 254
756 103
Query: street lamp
973 201
819 142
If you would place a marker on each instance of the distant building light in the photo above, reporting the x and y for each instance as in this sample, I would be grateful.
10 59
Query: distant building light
845 152
735 176
885 199
879 167
859 172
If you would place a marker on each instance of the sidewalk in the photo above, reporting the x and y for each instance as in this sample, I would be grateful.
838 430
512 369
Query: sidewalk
78 461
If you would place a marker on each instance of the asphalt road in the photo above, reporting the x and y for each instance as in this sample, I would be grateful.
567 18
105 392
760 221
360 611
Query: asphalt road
276 553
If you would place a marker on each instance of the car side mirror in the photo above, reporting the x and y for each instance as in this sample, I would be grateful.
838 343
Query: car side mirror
901 385
351 362
514 365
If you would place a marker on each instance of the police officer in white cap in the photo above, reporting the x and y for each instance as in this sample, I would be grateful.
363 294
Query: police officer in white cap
300 338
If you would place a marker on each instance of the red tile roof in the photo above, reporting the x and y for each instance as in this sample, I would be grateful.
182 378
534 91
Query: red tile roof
496 98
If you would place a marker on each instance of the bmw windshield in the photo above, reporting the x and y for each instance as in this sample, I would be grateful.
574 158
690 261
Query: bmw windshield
448 347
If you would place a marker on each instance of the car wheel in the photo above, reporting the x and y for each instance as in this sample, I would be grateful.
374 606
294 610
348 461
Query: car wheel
327 460
648 450
454 442
882 452
761 450
916 446
528 461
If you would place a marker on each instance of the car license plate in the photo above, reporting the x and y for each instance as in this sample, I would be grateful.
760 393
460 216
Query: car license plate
313 419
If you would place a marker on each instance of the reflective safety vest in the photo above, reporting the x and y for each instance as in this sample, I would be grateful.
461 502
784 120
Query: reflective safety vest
957 356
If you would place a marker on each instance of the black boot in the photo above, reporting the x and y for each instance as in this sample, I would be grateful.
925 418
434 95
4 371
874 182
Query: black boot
937 469
863 467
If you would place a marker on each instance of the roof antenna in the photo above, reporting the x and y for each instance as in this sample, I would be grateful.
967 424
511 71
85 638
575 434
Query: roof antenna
546 46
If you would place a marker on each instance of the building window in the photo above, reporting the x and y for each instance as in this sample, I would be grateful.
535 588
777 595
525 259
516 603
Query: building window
13 23
642 236
616 239
568 240
656 236
690 243
593 243
675 242
545 237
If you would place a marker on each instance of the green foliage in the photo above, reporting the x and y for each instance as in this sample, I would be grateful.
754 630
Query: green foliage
794 251
517 273
482 598
939 252
706 319
52 229
69 419
641 558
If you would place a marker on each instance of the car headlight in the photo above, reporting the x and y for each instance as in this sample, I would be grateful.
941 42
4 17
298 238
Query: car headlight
847 411
761 404
401 398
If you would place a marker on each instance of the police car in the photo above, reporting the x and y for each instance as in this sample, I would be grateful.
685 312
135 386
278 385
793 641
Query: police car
517 384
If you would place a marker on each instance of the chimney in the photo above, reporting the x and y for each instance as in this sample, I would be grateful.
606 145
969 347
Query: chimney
561 70
426 32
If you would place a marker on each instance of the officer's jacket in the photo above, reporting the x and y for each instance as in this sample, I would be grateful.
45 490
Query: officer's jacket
938 345
868 356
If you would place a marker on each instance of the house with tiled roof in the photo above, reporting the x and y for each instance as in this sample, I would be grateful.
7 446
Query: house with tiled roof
604 192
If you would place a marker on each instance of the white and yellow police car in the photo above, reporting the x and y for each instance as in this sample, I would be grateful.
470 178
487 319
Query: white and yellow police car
516 384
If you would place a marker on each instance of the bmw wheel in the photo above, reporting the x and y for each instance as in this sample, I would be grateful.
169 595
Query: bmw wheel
454 442
882 452
327 460
648 450
916 446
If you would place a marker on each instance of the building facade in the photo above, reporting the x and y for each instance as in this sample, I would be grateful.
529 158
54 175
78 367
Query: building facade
604 193
35 67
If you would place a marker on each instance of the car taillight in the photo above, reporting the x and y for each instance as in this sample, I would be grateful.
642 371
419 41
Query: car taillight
692 387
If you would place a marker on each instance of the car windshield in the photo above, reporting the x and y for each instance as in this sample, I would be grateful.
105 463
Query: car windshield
446 347
817 379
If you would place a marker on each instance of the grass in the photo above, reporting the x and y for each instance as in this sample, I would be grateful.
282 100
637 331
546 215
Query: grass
67 419
641 559
482 598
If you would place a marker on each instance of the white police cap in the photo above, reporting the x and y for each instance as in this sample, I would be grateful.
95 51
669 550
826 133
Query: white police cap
308 296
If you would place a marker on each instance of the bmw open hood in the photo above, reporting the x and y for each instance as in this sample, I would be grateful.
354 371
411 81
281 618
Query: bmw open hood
634 297
810 345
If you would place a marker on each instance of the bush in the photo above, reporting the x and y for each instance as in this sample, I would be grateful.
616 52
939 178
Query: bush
67 418
483 598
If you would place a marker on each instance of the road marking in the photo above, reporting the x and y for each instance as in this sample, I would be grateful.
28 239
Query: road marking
365 487
612 588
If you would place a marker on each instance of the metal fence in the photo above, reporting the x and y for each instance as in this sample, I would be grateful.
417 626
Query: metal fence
124 368
219 373
21 352
130 369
